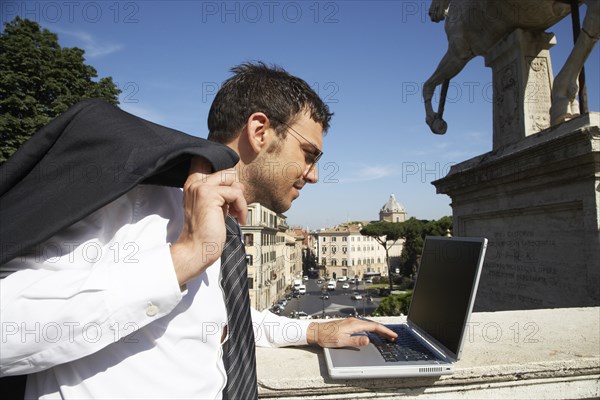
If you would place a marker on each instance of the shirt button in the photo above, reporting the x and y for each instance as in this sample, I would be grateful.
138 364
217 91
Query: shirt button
151 310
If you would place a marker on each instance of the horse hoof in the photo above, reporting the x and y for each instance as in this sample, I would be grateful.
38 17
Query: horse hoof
439 126
563 109
558 116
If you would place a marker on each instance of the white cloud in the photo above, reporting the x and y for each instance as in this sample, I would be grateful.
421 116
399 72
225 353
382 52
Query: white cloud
93 49
371 173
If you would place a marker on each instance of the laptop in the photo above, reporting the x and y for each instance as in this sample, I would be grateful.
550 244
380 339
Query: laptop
434 331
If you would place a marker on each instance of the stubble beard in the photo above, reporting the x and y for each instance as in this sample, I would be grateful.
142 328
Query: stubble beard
266 185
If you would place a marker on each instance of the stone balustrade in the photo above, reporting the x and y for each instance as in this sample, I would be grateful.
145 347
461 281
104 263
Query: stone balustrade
533 354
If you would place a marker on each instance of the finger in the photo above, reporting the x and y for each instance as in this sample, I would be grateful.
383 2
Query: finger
357 341
221 178
383 331
360 325
233 198
238 208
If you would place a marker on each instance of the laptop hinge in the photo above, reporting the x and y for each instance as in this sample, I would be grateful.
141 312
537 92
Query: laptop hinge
433 344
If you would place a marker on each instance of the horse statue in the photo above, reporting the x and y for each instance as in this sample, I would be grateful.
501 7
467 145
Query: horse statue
473 27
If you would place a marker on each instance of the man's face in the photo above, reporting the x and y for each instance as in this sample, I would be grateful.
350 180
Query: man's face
278 174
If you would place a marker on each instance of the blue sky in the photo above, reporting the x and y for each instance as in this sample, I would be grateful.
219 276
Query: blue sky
367 60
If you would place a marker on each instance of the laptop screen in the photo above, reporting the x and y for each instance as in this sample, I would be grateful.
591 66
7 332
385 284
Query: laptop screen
447 275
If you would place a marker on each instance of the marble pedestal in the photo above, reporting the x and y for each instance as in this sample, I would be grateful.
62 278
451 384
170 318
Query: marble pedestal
522 79
538 203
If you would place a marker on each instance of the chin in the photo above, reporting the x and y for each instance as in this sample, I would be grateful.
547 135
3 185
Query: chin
282 206
276 205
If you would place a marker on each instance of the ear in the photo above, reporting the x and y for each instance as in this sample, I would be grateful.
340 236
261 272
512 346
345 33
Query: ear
258 131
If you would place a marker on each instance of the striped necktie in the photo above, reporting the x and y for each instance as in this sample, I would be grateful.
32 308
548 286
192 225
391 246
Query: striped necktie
238 351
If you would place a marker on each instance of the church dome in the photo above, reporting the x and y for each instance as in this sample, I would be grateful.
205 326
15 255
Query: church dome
392 206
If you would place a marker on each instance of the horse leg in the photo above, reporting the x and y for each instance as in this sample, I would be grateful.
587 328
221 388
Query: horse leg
448 68
438 10
565 87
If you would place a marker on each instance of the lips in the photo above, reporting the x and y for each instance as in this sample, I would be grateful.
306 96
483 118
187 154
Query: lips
296 193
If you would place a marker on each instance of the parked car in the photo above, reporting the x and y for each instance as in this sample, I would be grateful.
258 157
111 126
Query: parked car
277 309
356 296
346 286
319 281
331 286
342 279
369 281
300 315
302 289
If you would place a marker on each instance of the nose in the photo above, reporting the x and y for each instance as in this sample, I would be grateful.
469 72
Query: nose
312 174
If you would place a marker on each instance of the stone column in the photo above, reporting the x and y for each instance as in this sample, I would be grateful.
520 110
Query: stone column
522 79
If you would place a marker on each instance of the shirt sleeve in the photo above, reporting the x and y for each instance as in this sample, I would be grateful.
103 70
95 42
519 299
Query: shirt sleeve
60 308
272 330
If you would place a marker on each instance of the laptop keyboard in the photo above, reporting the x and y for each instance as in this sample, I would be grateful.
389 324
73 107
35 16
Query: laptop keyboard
405 348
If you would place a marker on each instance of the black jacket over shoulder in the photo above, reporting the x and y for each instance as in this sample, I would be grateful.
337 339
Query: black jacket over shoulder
83 160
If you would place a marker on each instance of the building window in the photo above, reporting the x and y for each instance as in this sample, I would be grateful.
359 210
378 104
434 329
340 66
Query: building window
249 259
344 262
344 249
333 262
334 249
333 239
323 249
249 239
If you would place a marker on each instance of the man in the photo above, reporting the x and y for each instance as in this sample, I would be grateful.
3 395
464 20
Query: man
144 315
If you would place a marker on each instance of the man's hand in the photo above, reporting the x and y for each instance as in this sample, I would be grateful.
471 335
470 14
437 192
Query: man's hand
339 333
207 199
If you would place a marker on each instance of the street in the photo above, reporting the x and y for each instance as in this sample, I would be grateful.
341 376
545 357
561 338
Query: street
339 303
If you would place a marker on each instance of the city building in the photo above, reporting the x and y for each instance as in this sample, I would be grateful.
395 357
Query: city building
343 252
392 211
274 254
277 255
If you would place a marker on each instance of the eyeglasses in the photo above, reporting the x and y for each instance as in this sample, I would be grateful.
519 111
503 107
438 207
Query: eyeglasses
311 157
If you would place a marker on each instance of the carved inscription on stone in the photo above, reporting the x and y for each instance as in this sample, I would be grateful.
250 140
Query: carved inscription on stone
526 265
538 94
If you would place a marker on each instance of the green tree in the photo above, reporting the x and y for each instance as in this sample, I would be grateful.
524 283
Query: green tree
40 80
414 232
386 234
394 304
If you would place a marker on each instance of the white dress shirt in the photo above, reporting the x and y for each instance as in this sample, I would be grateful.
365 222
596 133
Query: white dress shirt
97 312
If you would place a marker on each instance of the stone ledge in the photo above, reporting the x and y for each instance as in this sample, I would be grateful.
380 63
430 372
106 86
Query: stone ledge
585 125
508 354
